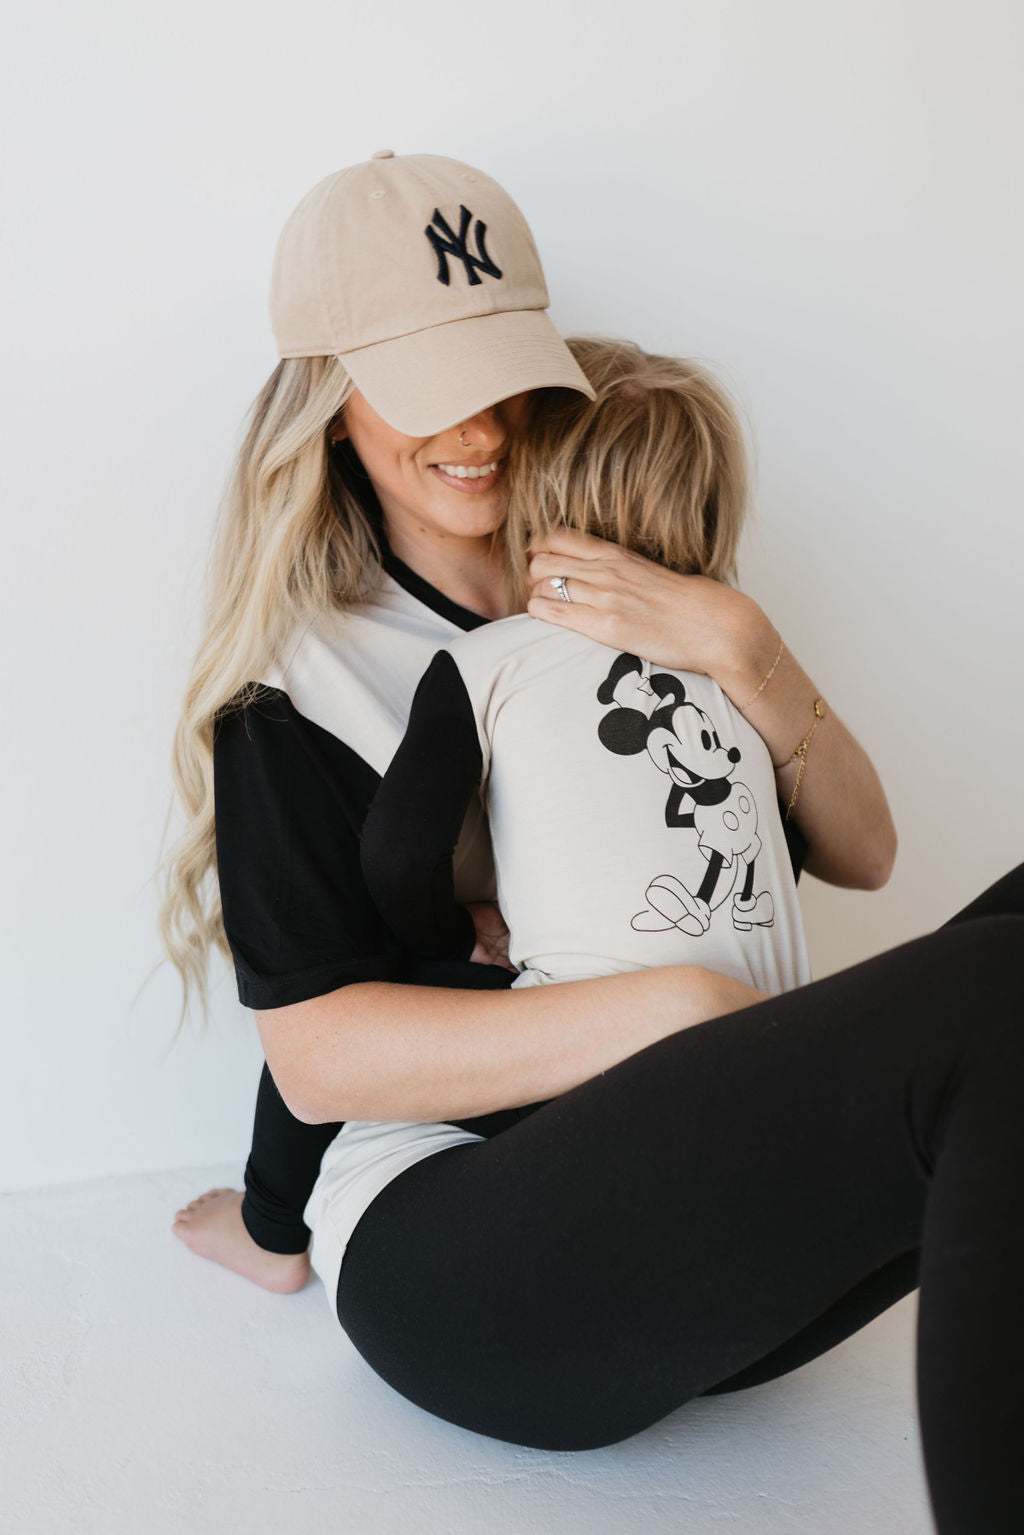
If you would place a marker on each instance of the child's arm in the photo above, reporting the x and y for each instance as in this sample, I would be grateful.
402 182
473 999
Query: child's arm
414 822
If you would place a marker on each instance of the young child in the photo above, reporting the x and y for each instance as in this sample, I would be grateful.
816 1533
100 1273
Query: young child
633 810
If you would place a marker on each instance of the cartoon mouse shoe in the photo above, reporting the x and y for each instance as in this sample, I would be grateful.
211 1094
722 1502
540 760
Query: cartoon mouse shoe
755 911
672 905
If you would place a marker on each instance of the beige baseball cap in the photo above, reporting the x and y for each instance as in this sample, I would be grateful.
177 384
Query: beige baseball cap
421 275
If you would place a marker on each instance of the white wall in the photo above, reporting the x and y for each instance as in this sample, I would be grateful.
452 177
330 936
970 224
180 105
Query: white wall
819 198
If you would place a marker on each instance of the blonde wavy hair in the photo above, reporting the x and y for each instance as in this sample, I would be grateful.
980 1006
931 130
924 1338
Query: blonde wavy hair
293 539
657 463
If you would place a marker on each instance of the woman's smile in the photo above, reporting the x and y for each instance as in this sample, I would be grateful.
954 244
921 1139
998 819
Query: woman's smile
413 476
471 479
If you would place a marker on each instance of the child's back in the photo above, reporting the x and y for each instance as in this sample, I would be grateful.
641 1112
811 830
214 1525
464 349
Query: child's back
633 812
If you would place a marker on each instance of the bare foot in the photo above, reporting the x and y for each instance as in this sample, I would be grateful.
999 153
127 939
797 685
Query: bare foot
212 1226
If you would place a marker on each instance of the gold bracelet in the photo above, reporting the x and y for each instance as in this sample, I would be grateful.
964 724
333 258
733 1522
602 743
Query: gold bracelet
771 674
801 752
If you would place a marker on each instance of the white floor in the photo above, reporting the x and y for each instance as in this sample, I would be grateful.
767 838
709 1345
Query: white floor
146 1390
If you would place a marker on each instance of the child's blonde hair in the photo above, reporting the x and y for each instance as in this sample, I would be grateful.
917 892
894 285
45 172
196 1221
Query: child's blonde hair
656 463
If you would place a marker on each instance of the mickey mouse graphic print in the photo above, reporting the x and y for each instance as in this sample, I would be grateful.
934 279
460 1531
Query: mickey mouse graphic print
633 814
655 716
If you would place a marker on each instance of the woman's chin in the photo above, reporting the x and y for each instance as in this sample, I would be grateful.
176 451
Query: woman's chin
477 518
444 515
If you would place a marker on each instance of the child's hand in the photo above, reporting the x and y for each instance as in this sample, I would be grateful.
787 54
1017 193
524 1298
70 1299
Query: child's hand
491 935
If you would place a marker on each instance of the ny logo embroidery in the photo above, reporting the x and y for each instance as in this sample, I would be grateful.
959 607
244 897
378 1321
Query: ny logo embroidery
447 243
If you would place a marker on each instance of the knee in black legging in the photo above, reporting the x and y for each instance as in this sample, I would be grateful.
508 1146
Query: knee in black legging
966 977
972 1043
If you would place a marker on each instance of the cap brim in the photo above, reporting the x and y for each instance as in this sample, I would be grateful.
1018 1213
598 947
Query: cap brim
433 379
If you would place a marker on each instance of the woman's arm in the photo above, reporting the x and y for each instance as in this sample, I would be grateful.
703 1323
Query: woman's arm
380 1051
693 624
841 807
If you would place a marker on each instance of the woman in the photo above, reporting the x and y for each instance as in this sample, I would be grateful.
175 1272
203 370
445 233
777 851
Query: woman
597 1202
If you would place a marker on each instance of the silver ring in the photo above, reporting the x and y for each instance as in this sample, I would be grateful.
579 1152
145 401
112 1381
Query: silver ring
462 443
559 583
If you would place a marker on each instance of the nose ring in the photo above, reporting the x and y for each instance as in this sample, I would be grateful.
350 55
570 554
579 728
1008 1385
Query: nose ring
462 439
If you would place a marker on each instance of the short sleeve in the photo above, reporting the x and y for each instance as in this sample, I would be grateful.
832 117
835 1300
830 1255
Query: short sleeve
290 800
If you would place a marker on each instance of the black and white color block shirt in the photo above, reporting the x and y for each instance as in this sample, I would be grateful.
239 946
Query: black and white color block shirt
294 775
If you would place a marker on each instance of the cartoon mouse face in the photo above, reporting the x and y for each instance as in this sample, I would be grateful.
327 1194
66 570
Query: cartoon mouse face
682 741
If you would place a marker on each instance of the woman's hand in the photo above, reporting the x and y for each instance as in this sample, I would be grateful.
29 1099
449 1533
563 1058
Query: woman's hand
629 603
491 946
690 623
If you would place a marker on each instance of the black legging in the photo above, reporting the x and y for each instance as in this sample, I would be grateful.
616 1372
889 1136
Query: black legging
727 1204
